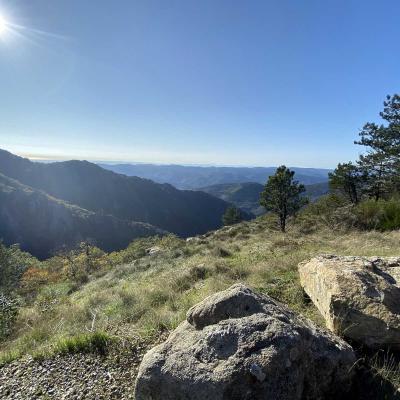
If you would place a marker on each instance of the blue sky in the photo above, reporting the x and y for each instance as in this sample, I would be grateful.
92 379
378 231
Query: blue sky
195 82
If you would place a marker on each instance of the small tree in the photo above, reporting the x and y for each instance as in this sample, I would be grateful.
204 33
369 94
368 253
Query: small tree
282 195
232 216
348 180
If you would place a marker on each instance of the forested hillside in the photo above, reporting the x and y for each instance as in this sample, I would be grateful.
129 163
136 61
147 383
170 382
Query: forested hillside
246 196
93 188
43 225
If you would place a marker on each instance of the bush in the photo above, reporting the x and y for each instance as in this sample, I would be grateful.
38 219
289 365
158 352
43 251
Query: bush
332 210
8 314
13 263
232 216
381 215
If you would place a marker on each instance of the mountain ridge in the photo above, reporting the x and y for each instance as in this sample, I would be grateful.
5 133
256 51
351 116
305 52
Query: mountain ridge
42 224
193 177
185 213
246 195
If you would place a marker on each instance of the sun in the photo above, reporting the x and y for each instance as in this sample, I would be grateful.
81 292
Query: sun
3 25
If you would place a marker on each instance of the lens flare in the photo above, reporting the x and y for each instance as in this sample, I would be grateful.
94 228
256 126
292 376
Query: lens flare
3 25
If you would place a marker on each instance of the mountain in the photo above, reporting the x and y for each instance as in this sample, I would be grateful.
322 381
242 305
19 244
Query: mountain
246 195
317 190
193 177
42 224
87 185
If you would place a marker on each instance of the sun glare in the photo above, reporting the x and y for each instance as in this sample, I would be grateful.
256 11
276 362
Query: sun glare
3 25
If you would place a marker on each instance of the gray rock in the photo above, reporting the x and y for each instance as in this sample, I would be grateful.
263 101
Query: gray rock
151 251
359 297
237 344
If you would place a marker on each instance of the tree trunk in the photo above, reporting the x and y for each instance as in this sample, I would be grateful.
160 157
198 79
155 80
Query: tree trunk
282 222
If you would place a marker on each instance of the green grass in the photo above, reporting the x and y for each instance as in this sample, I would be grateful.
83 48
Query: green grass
96 342
147 295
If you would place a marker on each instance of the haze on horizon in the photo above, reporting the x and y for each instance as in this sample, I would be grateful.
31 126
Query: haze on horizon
259 83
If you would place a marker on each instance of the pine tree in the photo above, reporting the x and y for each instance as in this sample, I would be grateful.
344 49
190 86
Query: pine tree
282 195
381 164
348 180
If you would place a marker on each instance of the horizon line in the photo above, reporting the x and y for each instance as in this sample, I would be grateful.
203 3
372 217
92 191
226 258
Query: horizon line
59 158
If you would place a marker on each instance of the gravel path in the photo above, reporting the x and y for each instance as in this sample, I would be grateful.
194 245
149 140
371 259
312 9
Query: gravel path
73 376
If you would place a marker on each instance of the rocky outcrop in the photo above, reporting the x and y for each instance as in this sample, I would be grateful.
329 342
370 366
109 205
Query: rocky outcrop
237 344
359 297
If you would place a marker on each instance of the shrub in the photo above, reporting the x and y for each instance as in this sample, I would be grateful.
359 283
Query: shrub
13 263
232 216
220 252
34 279
381 215
8 314
332 210
135 250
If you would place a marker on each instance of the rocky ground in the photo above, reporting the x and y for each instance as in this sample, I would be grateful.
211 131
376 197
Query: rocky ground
74 376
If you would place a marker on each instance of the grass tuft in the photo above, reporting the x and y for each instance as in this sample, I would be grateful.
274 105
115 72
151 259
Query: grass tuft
96 342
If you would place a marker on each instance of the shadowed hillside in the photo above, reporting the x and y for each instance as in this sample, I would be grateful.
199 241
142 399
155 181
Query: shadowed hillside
42 224
87 185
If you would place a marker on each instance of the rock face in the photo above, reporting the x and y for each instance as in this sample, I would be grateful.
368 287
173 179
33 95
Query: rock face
237 344
359 297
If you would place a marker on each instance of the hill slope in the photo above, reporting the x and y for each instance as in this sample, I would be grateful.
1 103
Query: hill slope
247 195
42 224
192 177
148 296
89 186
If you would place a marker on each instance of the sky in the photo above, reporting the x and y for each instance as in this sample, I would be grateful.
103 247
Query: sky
221 82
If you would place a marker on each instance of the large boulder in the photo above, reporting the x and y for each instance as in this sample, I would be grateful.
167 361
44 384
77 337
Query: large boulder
359 297
237 344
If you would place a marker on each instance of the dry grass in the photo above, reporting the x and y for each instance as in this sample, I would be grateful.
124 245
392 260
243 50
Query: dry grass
152 294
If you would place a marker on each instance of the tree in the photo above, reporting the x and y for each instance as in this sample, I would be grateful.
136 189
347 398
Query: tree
13 263
232 216
381 163
282 195
348 180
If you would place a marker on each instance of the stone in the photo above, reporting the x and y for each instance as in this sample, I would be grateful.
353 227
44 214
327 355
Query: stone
238 344
151 251
359 297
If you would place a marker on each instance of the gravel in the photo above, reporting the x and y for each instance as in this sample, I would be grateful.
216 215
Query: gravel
74 376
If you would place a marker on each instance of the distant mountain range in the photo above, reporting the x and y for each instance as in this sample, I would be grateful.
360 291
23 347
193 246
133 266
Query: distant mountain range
193 177
247 195
77 198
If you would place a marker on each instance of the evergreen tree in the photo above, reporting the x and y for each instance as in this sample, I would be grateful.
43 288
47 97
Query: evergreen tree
232 216
282 195
348 180
381 164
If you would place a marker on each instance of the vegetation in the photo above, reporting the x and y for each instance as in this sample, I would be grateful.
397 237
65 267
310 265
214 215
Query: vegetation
86 300
42 224
377 172
232 216
97 203
127 294
246 195
283 195
347 180
370 188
